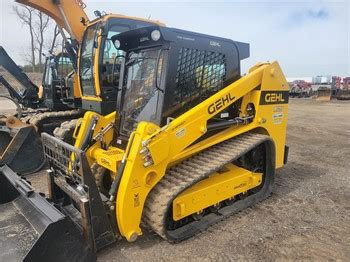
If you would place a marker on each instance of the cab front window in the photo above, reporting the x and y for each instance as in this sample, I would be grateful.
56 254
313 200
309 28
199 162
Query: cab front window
87 55
142 88
112 58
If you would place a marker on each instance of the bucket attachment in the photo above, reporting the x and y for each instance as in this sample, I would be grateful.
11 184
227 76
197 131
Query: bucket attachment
324 94
32 229
343 94
73 188
20 147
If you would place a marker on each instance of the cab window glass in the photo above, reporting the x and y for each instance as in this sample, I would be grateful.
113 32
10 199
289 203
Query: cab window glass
64 67
87 61
111 55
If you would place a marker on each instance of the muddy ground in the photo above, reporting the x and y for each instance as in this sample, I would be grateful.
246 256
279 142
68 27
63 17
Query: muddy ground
306 218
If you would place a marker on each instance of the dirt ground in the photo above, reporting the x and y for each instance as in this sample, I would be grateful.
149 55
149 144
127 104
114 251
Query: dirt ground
306 218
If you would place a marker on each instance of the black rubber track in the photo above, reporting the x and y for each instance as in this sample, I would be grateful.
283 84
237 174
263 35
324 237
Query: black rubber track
157 211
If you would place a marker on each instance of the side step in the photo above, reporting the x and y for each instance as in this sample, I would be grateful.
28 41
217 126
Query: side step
32 229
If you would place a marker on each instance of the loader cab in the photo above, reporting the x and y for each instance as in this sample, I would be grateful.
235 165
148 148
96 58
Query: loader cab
99 61
168 71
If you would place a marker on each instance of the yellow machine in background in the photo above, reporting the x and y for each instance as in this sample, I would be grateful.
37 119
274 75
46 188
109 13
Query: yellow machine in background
92 86
190 142
97 59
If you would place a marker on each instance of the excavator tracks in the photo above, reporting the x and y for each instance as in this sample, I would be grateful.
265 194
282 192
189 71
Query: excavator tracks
65 131
158 207
49 120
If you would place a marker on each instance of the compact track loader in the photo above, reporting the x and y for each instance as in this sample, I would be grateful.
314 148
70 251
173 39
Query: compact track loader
190 142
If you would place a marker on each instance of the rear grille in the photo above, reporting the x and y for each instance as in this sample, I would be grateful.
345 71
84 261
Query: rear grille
199 75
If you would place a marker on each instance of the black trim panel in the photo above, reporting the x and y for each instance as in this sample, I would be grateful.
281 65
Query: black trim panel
274 97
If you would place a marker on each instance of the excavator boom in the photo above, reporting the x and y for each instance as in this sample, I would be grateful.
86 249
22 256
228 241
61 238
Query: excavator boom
67 14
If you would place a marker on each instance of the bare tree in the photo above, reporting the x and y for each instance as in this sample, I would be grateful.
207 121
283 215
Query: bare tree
25 15
41 25
55 39
38 25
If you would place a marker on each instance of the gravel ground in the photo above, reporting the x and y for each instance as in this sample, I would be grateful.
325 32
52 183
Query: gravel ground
306 218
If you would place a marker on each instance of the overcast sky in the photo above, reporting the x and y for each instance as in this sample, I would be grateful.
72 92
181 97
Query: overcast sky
307 37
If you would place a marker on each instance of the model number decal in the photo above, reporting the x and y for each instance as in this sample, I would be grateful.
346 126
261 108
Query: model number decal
180 133
214 43
220 103
274 97
277 118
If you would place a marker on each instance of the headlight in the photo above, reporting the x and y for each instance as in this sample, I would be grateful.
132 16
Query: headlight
155 35
117 43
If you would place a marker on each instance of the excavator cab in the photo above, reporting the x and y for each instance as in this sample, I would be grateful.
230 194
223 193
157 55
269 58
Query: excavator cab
58 83
100 60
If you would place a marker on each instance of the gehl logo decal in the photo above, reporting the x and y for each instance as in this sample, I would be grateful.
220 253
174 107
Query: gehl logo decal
274 97
218 104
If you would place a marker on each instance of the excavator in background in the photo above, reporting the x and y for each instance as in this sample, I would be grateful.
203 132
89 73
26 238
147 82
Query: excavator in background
189 143
39 109
98 60
95 81
54 94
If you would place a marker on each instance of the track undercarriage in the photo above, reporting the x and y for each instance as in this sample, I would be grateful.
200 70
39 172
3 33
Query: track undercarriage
159 209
